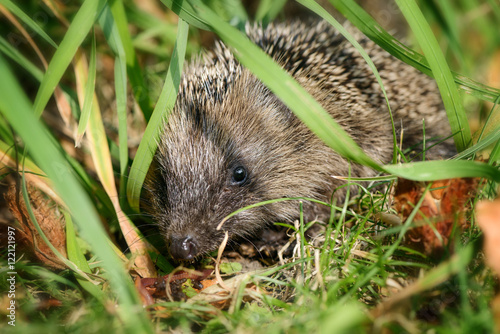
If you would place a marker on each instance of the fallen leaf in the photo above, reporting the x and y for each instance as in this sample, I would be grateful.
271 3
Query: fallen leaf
169 286
494 70
50 220
443 209
488 219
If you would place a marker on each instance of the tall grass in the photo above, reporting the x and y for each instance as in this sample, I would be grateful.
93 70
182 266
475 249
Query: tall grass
341 284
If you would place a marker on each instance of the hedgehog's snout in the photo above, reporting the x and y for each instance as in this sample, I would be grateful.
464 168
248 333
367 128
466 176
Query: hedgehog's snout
184 248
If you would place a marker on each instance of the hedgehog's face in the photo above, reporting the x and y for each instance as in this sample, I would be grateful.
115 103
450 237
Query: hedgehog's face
201 177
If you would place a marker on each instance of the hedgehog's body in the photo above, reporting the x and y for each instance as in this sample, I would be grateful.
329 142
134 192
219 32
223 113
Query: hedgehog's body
230 142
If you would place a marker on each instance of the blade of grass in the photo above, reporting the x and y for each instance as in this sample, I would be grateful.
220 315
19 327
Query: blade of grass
121 109
165 104
444 79
77 31
152 26
27 20
439 170
444 13
88 95
95 130
364 22
232 11
495 154
15 106
76 256
490 139
136 76
186 11
268 10
114 39
11 52
313 6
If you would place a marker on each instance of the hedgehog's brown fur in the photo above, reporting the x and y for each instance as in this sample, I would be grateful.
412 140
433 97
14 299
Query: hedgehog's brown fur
224 118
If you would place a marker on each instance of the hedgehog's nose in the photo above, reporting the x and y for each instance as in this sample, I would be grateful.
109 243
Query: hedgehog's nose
183 248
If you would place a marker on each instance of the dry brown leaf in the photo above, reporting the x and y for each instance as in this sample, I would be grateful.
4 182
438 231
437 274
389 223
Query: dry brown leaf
494 70
165 286
445 207
488 219
51 222
221 297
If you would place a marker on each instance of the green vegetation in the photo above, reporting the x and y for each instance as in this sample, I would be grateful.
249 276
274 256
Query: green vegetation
103 75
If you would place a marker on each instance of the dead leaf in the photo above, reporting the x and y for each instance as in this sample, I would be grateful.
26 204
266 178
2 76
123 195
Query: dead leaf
488 219
51 222
444 208
209 289
494 70
169 286
221 297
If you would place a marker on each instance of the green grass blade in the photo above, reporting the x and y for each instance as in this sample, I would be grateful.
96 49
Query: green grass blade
232 11
136 76
76 256
154 28
165 104
268 10
445 15
113 36
89 94
490 139
364 22
15 106
444 79
121 110
439 170
312 5
186 11
11 52
27 20
495 154
78 30
74 253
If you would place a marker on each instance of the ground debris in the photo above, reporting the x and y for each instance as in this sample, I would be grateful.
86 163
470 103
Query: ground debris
50 220
443 210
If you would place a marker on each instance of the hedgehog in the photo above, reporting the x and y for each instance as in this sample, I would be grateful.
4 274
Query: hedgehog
230 142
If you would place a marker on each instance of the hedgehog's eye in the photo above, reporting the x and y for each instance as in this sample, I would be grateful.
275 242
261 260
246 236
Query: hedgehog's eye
239 175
